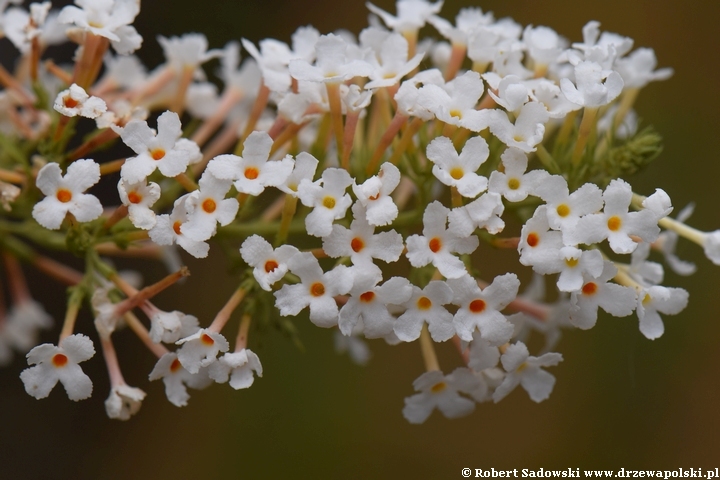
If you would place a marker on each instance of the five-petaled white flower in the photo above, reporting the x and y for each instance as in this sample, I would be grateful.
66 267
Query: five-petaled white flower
459 170
75 101
165 150
269 265
316 290
526 370
64 193
252 172
200 349
238 367
176 378
328 198
441 392
436 245
59 363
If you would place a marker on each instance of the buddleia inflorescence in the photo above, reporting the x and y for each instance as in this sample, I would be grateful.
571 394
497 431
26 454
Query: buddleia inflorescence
364 180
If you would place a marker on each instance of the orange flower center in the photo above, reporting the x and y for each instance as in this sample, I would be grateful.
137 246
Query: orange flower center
533 239
367 297
317 289
563 210
614 223
207 339
435 244
70 102
209 205
357 244
270 265
134 197
438 387
424 303
251 173
571 262
64 195
457 173
157 154
589 288
59 360
477 306
176 227
329 202
175 365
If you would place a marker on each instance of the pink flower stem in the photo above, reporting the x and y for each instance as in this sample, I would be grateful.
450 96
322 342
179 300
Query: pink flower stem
224 314
242 336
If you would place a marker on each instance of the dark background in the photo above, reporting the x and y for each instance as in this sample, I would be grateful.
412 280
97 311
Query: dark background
620 399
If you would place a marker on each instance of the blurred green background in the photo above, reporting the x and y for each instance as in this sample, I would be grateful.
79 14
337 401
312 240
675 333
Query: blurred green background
620 400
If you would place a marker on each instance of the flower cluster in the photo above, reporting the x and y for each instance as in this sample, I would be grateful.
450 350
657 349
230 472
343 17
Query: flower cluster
362 179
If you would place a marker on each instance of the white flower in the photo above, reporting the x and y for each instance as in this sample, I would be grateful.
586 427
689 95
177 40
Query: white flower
526 371
615 223
514 184
238 367
550 95
139 197
426 306
333 63
482 213
23 321
316 290
165 150
75 101
573 264
482 354
269 265
411 14
454 102
366 310
123 402
176 377
564 209
466 22
436 245
328 198
200 349
459 170
538 245
667 241
652 300
63 194
638 68
59 363
187 52
528 129
355 347
305 166
360 243
107 18
512 92
252 172
374 194
481 308
615 299
168 230
544 45
169 327
393 62
441 392
595 86
207 206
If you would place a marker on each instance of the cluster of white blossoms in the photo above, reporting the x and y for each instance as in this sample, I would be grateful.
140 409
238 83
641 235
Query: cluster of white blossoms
364 180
